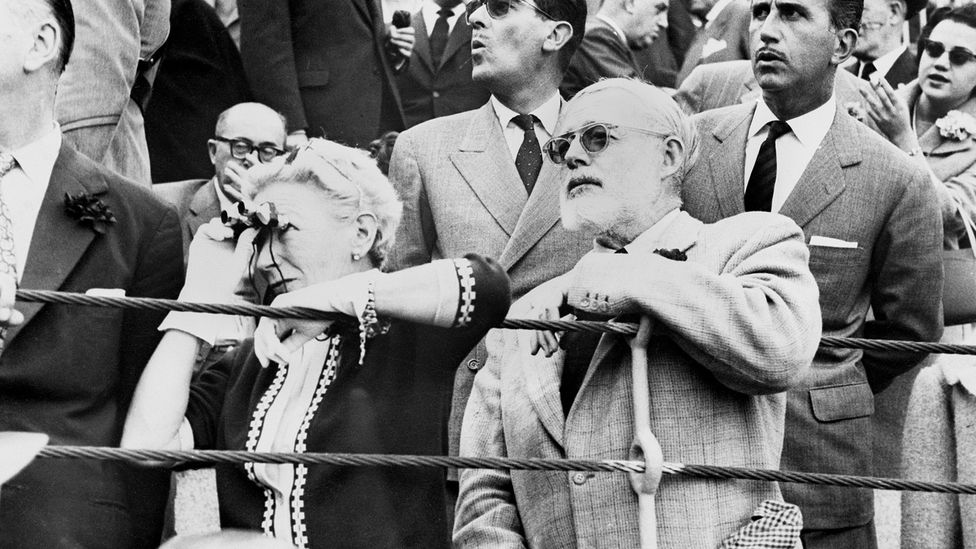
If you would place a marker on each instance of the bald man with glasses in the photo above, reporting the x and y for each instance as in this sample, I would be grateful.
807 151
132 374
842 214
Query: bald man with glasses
736 323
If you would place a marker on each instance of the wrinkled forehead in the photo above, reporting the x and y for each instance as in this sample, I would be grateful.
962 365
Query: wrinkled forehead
612 105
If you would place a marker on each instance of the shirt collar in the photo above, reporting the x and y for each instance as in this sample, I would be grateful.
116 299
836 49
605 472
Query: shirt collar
716 10
884 63
614 27
810 128
37 159
547 113
430 9
647 241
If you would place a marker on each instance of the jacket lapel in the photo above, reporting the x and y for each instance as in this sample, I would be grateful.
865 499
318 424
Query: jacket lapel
751 91
204 205
727 163
823 180
542 378
932 141
483 162
421 44
541 212
58 241
460 36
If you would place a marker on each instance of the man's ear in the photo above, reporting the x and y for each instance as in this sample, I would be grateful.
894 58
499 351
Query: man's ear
673 157
561 34
844 42
896 11
45 49
212 150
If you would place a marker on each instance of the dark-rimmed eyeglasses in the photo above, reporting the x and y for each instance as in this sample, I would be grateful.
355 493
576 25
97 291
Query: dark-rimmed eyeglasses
498 8
240 148
957 56
595 138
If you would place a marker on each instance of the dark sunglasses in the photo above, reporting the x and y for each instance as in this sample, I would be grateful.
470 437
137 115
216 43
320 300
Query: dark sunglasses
957 56
498 8
595 138
240 148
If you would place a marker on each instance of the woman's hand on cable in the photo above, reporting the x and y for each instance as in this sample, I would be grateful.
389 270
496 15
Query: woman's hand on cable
542 303
891 114
217 264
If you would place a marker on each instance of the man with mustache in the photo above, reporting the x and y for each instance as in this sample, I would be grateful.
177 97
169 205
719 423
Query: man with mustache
475 181
873 225
736 323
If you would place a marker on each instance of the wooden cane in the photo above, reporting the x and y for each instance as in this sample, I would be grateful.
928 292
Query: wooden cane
645 444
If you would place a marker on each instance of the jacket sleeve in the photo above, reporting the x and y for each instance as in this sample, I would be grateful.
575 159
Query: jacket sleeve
416 236
486 513
755 324
269 59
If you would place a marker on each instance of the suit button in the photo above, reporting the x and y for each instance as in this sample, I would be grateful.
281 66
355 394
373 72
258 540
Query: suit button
474 365
436 94
579 479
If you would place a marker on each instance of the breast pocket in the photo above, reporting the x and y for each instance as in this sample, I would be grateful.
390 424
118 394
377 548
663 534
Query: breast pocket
840 275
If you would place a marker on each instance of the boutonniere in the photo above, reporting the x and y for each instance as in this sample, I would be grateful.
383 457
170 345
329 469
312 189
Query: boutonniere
856 110
673 254
956 125
88 209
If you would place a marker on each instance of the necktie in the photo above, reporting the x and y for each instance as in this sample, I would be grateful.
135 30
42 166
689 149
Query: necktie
8 258
438 37
867 69
528 161
759 191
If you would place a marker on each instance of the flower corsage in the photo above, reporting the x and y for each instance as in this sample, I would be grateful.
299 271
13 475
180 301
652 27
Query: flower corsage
956 125
89 210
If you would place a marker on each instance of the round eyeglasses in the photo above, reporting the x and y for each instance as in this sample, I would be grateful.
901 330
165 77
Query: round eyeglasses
240 148
595 138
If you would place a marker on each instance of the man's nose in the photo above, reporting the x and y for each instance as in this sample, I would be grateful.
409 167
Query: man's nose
576 156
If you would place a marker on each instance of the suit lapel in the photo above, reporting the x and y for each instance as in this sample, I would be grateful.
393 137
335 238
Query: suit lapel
204 206
459 37
421 44
484 161
542 380
823 179
541 212
58 241
752 91
727 162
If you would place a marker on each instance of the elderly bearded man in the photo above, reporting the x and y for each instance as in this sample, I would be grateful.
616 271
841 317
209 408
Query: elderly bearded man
738 323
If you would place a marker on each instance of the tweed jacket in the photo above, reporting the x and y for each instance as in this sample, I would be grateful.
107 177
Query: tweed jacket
602 54
430 89
728 83
739 324
953 162
857 189
195 201
461 193
724 39
70 371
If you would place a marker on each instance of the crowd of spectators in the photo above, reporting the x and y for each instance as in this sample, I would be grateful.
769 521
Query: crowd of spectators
740 177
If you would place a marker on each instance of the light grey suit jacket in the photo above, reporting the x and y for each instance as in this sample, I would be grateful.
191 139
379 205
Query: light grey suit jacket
462 194
739 322
857 188
196 202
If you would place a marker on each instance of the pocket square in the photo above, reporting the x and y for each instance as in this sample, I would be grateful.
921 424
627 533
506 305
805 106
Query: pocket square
106 292
828 242
713 46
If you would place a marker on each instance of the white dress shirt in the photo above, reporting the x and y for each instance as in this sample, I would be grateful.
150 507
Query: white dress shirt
545 123
429 13
793 150
884 63
648 240
23 189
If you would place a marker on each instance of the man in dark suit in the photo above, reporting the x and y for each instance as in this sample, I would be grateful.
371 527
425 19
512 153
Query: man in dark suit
475 181
723 36
880 51
199 200
326 65
69 224
620 27
873 226
438 80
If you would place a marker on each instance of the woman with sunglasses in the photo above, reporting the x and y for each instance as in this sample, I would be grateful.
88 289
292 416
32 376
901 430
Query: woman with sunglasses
321 227
934 117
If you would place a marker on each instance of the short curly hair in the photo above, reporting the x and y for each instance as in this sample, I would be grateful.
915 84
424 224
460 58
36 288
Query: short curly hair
347 176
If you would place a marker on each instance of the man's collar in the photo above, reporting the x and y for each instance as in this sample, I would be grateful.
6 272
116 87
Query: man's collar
809 128
547 113
614 27
884 63
716 10
647 241
37 159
